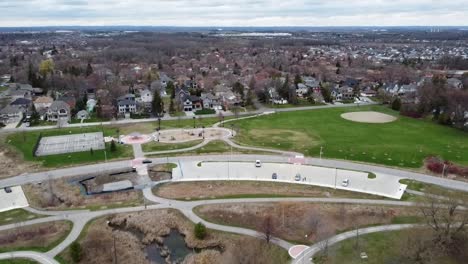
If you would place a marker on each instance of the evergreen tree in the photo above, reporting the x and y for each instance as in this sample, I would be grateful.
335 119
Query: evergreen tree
170 89
396 104
113 146
157 104
89 70
34 120
76 252
200 231
297 80
284 90
238 88
171 107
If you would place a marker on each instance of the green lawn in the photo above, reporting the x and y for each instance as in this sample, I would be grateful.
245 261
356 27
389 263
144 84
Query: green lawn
16 215
381 247
17 261
156 146
24 142
403 143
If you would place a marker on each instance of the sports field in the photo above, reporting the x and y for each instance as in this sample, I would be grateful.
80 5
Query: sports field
403 143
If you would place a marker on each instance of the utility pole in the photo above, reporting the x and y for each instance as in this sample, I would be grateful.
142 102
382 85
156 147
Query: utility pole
321 152
115 250
336 174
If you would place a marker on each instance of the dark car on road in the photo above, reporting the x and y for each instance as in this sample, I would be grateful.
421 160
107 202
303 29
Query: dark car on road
274 176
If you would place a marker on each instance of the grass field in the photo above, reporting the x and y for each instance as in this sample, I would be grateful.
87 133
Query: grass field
17 261
24 142
403 143
382 247
157 146
16 215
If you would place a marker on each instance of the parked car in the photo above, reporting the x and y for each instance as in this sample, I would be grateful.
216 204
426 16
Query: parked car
146 161
345 183
274 176
7 189
258 164
298 177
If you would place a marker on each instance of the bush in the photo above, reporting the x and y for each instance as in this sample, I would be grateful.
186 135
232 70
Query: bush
200 231
205 111
76 251
113 147
396 104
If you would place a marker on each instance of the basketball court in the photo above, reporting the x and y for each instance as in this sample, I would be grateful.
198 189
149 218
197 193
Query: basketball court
70 143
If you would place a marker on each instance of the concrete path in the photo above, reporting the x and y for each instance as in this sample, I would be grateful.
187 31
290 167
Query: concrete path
39 257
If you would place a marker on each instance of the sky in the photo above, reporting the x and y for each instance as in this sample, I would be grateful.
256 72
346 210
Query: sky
18 13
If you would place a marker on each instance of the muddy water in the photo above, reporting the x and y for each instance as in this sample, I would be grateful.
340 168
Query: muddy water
175 243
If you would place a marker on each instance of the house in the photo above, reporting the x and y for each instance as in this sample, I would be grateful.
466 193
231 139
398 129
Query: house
302 90
58 111
91 93
343 93
275 98
71 101
90 105
11 114
407 88
83 114
164 79
19 93
187 105
146 96
210 101
196 102
23 103
454 83
312 83
127 104
43 102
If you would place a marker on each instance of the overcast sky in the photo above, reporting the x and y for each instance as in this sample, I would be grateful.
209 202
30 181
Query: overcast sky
234 13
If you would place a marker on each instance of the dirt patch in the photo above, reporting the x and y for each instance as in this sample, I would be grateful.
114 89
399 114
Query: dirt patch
39 235
98 244
160 172
293 221
66 194
368 117
220 189
12 163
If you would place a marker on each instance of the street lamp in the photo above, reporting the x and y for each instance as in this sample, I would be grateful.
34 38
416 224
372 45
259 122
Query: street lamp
203 131
159 123
157 130
194 119
321 152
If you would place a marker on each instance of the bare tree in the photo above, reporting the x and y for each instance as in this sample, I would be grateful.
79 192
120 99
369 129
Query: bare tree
267 228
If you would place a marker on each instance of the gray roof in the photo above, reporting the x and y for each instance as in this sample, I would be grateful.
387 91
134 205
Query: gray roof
126 102
10 109
57 105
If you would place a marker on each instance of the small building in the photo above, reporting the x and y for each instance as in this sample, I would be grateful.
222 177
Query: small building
11 114
83 114
59 111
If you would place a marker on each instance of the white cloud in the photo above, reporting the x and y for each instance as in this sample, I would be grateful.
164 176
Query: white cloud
233 13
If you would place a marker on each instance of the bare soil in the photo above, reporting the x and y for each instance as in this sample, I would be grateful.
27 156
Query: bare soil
34 236
12 163
220 189
63 194
368 117
293 221
98 244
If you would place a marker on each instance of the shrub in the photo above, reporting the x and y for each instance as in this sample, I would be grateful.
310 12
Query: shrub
396 104
200 231
205 111
113 147
76 251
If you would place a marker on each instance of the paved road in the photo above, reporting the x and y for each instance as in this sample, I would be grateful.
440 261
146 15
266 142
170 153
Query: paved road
317 247
117 165
133 121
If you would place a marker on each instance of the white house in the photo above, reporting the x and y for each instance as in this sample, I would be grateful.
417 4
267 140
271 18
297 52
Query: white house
43 102
58 111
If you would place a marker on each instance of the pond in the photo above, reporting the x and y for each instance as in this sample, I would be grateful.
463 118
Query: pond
173 245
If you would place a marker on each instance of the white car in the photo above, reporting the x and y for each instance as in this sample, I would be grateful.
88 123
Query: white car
258 164
298 177
345 183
